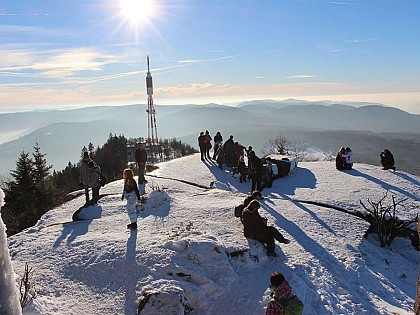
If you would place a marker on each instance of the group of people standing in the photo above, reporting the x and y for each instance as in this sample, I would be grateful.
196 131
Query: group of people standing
228 152
232 154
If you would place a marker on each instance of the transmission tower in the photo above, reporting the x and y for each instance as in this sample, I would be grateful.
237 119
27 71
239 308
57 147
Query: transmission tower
151 117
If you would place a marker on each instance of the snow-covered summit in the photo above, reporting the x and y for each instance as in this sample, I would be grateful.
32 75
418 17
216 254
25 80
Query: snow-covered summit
190 249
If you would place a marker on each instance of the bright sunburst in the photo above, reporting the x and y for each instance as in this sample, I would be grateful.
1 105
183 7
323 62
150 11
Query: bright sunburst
137 11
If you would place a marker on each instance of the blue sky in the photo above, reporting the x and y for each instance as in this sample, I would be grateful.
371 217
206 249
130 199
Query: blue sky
73 53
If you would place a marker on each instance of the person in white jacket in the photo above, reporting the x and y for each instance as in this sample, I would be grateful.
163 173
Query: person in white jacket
348 154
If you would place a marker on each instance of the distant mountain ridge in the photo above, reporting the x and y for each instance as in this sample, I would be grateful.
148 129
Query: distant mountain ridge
62 133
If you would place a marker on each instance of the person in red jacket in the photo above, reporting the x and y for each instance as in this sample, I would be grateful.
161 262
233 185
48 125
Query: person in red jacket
283 297
207 140
141 159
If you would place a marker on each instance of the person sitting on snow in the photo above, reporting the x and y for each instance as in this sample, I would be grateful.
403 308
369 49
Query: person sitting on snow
348 154
255 227
284 300
387 160
340 161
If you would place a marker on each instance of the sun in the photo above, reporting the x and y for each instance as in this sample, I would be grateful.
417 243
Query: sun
136 11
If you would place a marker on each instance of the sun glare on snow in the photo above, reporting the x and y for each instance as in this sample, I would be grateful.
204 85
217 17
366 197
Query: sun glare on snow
136 11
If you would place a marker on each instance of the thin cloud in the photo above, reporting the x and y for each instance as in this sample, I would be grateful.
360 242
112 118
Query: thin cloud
207 60
342 3
32 30
190 61
302 76
360 40
330 48
55 64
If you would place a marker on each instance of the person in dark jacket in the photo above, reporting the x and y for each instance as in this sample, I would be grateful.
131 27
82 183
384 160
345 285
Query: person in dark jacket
255 227
132 195
207 140
218 140
84 174
242 169
202 145
256 171
141 159
220 156
340 160
256 195
387 160
229 151
269 172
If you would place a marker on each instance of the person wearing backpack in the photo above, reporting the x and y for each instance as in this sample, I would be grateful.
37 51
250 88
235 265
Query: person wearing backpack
255 227
94 181
84 174
256 195
284 301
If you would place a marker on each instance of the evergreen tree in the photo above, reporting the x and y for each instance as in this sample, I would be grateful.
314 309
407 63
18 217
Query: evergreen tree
20 192
112 157
46 195
67 180
91 148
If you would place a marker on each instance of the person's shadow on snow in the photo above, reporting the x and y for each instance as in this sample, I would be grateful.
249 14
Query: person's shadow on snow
226 178
298 178
385 185
408 178
71 231
300 205
311 246
130 266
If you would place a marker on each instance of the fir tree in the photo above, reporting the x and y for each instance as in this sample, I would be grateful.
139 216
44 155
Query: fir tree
46 195
20 192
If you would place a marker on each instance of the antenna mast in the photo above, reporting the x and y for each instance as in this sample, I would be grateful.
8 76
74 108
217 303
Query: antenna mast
151 118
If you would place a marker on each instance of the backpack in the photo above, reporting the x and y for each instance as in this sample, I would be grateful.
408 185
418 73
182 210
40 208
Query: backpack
291 307
238 210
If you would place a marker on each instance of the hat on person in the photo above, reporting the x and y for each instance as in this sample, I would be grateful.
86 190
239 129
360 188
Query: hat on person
276 279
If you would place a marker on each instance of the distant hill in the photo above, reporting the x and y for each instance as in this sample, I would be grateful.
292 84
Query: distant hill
368 128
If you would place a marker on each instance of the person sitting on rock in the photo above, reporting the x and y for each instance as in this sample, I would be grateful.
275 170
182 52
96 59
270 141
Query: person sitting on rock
255 227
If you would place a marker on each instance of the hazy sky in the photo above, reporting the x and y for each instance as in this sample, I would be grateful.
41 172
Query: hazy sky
69 53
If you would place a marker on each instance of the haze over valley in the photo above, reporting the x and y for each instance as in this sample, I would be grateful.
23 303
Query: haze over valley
324 126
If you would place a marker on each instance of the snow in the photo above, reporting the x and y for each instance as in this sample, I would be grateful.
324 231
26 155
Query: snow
9 301
189 255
